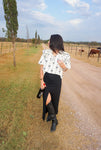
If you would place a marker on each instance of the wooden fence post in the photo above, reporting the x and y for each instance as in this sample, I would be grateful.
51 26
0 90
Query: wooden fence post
71 49
98 57
76 50
9 48
81 51
68 48
1 48
88 51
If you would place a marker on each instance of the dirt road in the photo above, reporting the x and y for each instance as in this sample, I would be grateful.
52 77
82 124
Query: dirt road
82 91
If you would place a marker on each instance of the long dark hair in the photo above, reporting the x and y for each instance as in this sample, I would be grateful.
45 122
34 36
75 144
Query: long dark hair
56 43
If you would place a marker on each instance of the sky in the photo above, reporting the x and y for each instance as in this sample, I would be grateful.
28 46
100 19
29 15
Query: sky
74 20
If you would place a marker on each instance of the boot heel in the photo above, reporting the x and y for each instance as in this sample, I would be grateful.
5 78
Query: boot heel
54 124
57 122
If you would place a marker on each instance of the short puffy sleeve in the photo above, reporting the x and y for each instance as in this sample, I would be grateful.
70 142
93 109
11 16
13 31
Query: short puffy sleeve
42 59
67 61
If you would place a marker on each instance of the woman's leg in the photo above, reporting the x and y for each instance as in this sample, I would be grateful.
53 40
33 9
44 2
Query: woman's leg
48 99
47 102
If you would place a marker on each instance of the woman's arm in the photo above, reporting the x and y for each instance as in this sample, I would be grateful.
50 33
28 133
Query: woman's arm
62 65
41 77
41 72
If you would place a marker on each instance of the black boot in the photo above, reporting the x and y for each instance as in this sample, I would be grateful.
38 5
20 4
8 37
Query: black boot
52 115
54 123
48 118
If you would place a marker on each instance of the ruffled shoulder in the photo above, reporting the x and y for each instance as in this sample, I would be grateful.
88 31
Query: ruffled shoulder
67 61
47 51
65 54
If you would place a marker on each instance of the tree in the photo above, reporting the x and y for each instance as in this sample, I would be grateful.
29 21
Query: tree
36 38
33 40
10 11
27 36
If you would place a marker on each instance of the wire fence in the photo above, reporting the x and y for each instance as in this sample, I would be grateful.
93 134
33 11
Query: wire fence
74 49
7 47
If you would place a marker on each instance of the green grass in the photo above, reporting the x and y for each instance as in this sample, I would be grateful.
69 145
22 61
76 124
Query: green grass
33 50
17 86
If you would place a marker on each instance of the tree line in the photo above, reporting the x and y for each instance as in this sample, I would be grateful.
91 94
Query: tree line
39 40
35 40
92 43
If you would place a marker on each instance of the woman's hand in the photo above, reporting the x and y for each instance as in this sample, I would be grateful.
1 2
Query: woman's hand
62 65
42 84
41 78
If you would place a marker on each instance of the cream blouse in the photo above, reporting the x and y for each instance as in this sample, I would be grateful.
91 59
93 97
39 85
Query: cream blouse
50 64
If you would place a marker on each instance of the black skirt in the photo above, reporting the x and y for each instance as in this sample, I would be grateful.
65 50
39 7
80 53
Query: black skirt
53 86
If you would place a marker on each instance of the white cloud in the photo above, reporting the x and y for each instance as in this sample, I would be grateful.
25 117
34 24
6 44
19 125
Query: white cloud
42 6
26 13
98 14
72 2
80 6
83 8
46 18
32 4
96 1
83 5
71 12
75 22
50 20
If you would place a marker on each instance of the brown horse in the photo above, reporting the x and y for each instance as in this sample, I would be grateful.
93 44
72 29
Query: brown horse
93 51
81 50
